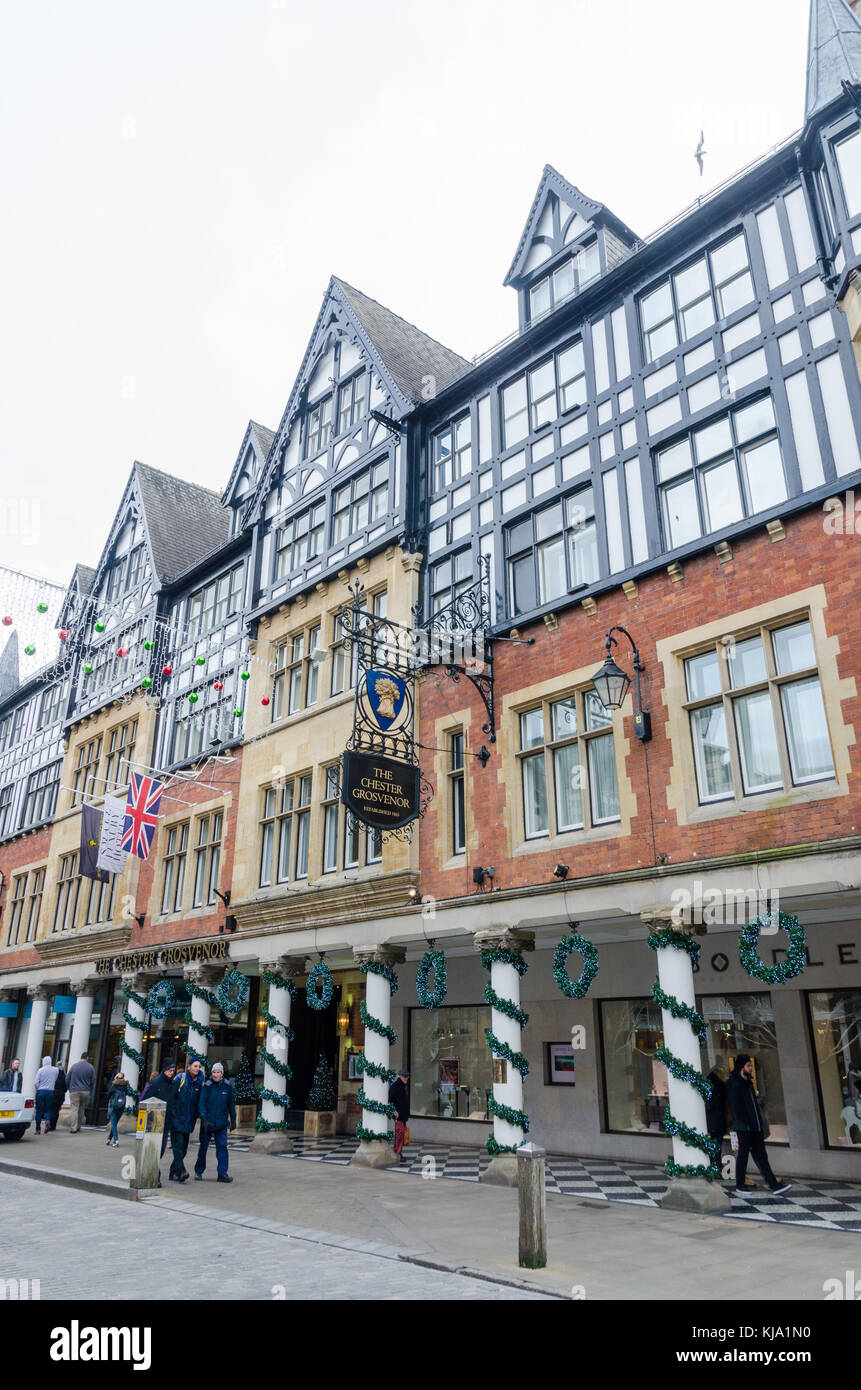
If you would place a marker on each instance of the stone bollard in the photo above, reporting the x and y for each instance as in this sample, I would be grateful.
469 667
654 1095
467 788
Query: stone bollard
148 1147
532 1207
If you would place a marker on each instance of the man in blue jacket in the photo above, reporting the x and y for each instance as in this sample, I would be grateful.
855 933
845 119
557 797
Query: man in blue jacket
217 1115
181 1116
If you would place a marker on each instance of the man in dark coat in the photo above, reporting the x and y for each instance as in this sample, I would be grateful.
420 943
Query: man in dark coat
217 1112
12 1080
748 1126
161 1088
59 1096
399 1097
182 1115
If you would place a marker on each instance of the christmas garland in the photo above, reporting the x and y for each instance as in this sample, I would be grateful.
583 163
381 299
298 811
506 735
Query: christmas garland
139 999
505 1006
202 1028
131 1053
785 970
279 981
280 1068
232 993
277 1099
201 992
320 972
160 999
579 988
282 1028
382 1030
264 1126
125 1048
519 1118
431 998
364 1067
659 940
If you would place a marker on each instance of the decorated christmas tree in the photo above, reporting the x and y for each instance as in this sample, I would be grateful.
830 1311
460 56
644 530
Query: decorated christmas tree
322 1093
243 1087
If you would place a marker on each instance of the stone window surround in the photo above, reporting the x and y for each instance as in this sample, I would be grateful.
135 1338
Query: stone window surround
457 721
671 652
508 741
193 815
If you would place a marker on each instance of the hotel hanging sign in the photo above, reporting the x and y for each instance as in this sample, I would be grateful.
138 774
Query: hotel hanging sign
381 781
381 792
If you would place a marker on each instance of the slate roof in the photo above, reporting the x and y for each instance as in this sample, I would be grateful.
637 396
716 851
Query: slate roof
185 522
84 577
410 355
264 437
833 53
9 678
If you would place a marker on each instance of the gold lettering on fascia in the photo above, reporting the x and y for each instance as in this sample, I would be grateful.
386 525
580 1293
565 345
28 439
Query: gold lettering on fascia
158 959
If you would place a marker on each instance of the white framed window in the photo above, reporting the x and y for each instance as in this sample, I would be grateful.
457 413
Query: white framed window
567 766
176 851
687 303
207 858
457 792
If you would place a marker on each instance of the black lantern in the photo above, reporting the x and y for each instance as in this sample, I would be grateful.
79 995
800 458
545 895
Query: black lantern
612 685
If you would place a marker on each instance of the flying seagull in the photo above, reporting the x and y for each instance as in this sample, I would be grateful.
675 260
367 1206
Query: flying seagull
699 152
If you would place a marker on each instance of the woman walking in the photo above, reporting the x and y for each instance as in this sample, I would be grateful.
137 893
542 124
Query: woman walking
117 1096
46 1080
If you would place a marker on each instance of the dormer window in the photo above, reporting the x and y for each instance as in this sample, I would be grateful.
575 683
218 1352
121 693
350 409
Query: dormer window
319 427
572 275
352 401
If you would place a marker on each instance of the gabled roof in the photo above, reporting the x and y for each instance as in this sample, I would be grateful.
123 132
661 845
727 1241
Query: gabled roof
260 439
184 521
81 582
410 355
833 53
400 354
551 181
9 675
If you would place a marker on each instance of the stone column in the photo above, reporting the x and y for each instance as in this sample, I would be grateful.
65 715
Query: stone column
507 1080
376 1153
6 997
273 1138
32 1059
85 993
140 984
686 1104
202 977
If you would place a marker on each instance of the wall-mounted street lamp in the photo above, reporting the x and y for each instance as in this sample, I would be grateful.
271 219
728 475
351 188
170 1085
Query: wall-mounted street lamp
225 897
479 875
561 871
612 684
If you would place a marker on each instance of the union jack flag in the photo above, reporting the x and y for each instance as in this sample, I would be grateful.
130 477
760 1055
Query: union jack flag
141 819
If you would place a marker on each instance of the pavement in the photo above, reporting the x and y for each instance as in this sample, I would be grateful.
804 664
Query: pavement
596 1249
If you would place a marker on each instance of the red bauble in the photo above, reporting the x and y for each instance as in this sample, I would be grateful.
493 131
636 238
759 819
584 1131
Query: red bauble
7 621
62 634
167 670
265 700
122 651
218 685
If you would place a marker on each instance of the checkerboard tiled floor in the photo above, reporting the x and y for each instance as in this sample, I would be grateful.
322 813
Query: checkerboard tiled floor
828 1206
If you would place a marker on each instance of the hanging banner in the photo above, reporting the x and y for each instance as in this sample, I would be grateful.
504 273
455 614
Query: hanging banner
381 792
111 857
91 829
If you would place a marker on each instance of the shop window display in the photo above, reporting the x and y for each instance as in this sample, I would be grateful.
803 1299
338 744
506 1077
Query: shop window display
835 1019
636 1082
450 1065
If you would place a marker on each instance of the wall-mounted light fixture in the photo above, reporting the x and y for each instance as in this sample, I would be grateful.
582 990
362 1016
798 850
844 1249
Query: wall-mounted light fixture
140 920
225 897
479 875
561 871
612 684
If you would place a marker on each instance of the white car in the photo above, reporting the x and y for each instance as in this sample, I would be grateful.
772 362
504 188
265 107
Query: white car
16 1114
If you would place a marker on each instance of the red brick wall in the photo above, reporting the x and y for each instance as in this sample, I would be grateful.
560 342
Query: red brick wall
31 848
760 571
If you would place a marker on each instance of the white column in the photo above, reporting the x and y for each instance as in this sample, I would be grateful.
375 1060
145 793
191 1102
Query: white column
378 1002
38 996
204 977
277 1038
676 977
133 1036
505 982
84 991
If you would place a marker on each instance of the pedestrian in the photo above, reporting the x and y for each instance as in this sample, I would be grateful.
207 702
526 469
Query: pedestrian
12 1080
60 1087
399 1097
117 1097
160 1087
81 1079
217 1115
46 1078
747 1122
716 1107
182 1115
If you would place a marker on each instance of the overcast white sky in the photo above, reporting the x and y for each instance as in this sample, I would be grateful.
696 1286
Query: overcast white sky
181 177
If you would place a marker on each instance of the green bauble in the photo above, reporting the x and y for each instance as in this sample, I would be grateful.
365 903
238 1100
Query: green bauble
41 607
88 670
237 714
29 651
192 699
200 661
146 682
100 627
244 675
147 645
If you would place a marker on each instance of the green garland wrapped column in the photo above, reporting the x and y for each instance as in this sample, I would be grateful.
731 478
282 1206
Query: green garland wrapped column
135 988
695 1164
501 954
271 1134
377 965
199 981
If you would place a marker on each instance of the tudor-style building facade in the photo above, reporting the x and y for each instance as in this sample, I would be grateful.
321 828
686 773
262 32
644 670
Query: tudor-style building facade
668 443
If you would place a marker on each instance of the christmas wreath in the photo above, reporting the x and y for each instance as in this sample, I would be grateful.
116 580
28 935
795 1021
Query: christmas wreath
320 1001
160 999
796 958
232 993
579 988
